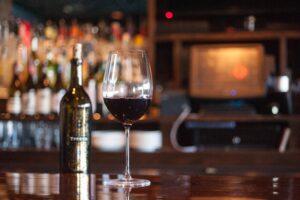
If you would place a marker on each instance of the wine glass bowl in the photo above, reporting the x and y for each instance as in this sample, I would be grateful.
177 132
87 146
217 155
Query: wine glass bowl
127 92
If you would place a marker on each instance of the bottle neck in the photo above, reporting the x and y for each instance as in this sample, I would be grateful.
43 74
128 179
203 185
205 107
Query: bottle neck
59 72
30 67
34 55
34 44
59 82
17 69
76 73
44 68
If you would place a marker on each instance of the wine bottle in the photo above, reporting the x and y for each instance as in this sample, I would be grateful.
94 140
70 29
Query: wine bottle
75 122
43 94
14 100
29 92
58 91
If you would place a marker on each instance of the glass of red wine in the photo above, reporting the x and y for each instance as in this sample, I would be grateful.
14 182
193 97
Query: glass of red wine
127 92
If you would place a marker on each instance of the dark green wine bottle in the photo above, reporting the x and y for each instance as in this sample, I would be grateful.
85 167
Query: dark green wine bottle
14 100
29 92
58 91
75 122
43 92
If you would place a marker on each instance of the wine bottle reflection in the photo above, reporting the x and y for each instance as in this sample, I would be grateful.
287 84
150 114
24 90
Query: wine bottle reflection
77 186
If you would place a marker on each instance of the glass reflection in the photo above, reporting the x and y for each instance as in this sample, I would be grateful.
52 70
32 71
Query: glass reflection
107 192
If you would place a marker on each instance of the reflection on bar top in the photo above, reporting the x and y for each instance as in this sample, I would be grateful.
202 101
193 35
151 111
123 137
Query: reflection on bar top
84 186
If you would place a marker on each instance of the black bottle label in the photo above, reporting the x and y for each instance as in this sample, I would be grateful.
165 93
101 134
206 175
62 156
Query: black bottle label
77 140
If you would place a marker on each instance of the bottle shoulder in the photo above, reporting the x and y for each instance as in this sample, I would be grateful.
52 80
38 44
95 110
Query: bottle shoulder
76 95
15 86
29 84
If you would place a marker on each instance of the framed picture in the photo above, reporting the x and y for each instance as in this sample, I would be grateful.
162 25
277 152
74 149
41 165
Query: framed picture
227 71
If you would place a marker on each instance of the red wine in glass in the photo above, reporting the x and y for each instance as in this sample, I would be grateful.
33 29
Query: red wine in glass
127 110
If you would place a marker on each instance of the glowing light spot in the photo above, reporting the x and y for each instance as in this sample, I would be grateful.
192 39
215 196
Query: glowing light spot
169 14
275 179
233 92
240 72
275 110
96 116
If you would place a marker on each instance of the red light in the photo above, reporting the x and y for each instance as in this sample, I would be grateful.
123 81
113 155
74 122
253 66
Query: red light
169 14
240 72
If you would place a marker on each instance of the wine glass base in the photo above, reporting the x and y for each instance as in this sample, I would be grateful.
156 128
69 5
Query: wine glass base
128 183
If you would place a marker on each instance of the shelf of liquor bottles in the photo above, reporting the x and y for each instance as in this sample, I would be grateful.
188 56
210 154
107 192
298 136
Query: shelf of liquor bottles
35 59
35 73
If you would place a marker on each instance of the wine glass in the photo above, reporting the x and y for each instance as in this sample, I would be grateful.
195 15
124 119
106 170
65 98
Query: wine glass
127 92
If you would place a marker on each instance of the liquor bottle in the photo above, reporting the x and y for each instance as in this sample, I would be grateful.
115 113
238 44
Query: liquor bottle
35 58
62 30
51 67
99 79
90 87
22 60
74 29
75 121
58 91
50 30
43 94
29 92
3 63
14 100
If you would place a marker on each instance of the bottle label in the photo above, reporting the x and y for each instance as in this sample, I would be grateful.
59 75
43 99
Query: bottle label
76 129
55 101
29 102
43 101
14 103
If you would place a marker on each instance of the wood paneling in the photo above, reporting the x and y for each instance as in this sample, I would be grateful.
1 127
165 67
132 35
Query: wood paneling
280 36
5 8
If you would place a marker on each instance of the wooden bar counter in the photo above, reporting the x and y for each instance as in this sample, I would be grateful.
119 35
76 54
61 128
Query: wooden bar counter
91 187
211 174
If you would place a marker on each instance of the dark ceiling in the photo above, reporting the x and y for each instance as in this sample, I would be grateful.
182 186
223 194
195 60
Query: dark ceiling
81 9
93 9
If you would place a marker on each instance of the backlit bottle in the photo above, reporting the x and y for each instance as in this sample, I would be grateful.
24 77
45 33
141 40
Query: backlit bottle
29 92
14 103
58 91
43 95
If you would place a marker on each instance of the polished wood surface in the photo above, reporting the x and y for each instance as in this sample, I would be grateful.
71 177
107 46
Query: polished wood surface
84 187
230 36
220 162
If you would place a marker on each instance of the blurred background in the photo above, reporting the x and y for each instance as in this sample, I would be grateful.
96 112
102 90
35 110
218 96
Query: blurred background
226 77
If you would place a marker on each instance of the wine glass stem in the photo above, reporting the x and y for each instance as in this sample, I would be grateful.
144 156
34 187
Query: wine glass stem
127 175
